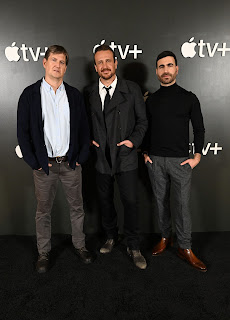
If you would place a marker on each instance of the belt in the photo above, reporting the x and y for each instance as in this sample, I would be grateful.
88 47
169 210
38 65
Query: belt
59 159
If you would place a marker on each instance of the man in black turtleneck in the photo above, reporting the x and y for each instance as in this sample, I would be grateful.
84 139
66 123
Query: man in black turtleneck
170 110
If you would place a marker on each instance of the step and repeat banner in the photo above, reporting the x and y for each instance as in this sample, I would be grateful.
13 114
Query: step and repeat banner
197 32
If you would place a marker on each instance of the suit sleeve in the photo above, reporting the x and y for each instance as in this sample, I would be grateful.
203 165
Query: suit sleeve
141 123
84 138
23 132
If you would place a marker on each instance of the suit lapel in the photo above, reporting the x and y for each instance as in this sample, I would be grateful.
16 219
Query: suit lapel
118 96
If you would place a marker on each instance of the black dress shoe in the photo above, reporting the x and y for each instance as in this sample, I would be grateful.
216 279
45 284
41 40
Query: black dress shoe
42 265
84 255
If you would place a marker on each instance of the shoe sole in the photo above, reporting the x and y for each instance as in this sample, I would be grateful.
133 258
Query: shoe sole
158 254
105 252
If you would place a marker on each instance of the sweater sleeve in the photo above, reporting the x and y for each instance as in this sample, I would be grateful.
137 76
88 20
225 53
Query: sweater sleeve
197 124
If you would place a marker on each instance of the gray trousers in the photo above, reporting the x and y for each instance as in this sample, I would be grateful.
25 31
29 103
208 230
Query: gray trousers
166 176
45 191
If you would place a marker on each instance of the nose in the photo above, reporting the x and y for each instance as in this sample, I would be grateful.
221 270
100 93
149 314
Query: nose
165 69
57 64
104 65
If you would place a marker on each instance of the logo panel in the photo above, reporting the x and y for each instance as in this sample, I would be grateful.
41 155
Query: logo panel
123 51
14 53
204 49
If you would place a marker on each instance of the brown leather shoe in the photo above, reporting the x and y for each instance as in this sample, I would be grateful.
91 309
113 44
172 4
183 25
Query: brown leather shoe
189 256
161 246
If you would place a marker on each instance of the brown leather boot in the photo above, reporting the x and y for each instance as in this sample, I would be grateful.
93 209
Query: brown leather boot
189 256
161 246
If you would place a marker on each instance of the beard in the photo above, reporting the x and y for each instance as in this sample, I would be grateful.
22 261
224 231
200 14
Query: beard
170 79
106 76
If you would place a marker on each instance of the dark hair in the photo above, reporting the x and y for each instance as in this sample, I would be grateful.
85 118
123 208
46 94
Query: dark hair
166 54
57 49
104 47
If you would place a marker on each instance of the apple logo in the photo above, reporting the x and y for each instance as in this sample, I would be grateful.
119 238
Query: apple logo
18 152
187 49
11 53
98 45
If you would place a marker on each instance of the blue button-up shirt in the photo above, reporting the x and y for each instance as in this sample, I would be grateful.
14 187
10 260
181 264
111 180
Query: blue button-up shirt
56 117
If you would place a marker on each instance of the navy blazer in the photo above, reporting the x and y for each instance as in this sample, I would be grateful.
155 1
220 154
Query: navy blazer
31 134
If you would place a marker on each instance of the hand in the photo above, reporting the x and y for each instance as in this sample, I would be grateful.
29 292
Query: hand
77 164
39 169
193 162
147 159
127 143
50 165
95 143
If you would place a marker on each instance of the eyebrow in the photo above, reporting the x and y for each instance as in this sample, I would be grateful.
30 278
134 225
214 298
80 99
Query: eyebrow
168 64
62 61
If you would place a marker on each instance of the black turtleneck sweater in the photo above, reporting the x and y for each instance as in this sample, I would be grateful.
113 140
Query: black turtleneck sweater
169 111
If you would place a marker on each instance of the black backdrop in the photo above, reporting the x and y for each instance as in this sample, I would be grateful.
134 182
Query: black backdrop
144 27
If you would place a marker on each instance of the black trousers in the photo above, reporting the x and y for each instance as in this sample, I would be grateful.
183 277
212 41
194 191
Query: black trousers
127 183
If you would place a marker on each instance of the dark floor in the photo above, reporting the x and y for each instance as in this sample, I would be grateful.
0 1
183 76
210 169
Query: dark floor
112 287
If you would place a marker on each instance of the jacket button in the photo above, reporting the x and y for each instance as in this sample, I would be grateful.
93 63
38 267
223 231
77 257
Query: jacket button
118 111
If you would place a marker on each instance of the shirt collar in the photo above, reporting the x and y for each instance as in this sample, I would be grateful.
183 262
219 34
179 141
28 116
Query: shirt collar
48 87
113 84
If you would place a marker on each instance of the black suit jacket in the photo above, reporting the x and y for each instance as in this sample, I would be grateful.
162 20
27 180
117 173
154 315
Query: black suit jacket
30 128
125 119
